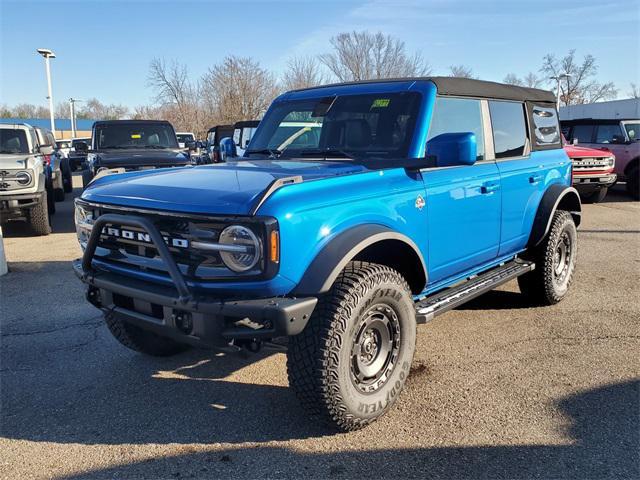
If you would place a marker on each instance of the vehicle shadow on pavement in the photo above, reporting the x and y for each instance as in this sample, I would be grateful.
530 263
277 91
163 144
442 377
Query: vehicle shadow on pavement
602 443
498 300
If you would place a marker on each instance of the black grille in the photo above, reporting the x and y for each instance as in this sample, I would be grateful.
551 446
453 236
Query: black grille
143 255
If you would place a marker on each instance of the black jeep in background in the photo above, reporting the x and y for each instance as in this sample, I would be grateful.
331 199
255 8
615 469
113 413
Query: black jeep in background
131 145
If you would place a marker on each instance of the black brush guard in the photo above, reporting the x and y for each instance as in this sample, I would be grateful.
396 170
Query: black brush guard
213 321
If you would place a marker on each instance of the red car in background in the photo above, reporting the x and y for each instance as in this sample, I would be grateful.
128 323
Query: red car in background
592 171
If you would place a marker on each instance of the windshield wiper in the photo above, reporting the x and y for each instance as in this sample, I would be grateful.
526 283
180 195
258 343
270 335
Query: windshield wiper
272 152
326 152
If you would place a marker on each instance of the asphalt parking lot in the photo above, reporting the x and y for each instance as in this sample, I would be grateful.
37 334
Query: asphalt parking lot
498 389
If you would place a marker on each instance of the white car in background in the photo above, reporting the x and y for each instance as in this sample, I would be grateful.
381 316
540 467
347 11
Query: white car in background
184 138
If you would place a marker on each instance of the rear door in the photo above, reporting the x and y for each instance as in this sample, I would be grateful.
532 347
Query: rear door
524 175
463 202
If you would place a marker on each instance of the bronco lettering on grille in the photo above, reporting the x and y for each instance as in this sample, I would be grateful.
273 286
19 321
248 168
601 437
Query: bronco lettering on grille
143 237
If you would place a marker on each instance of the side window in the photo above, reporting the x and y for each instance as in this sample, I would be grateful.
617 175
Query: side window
236 136
583 133
545 123
509 128
457 115
609 134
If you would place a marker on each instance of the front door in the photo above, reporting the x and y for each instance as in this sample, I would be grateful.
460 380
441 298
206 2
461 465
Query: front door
464 202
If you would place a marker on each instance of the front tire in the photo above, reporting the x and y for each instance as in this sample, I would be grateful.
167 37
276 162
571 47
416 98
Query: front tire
350 363
39 217
595 197
633 182
87 176
555 261
142 341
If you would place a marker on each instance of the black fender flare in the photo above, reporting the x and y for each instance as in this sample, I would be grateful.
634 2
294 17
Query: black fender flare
333 258
557 197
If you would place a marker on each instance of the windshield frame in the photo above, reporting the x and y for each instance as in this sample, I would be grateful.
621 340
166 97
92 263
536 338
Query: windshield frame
414 143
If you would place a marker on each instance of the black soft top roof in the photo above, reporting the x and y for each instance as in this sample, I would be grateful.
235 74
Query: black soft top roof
246 123
469 87
102 122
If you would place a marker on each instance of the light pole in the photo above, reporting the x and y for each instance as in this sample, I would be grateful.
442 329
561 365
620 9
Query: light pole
47 54
72 108
557 78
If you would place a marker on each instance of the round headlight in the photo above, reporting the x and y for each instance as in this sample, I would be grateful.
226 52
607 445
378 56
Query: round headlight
248 252
23 178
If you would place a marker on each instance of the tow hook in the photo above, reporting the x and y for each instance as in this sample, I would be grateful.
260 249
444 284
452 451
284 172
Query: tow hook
253 345
93 296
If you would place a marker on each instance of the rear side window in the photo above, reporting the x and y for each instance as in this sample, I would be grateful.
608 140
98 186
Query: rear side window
583 133
509 128
458 115
545 124
609 134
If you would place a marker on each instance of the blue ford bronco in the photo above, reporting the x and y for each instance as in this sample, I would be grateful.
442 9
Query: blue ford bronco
358 211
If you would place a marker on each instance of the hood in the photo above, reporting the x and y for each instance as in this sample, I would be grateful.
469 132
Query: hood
140 158
226 189
17 160
574 151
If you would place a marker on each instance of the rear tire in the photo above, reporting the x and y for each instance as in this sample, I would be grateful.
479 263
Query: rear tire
51 202
143 341
633 182
59 194
67 180
39 217
555 260
350 363
596 196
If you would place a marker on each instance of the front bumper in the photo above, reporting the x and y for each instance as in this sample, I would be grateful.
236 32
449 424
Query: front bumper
176 311
593 181
17 202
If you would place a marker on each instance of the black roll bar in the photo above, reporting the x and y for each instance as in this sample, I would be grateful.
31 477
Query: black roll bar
156 237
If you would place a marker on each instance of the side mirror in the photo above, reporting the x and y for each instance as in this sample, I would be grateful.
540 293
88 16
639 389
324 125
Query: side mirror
82 147
619 139
46 149
453 149
227 149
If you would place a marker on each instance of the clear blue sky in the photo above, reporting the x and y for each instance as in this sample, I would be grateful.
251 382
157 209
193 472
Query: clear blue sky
104 47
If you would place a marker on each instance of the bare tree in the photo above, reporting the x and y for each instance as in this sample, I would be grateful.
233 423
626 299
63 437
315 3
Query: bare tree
94 109
364 55
24 110
581 86
237 89
461 71
302 72
635 91
530 80
175 92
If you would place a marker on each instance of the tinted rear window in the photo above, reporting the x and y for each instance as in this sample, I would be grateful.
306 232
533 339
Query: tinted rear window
13 141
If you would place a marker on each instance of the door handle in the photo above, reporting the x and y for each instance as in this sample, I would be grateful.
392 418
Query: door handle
535 179
489 187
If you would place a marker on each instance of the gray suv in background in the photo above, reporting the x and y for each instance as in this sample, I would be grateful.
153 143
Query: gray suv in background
24 177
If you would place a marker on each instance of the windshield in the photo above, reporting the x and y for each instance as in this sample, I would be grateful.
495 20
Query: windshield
372 125
80 140
184 137
633 131
13 141
62 144
135 135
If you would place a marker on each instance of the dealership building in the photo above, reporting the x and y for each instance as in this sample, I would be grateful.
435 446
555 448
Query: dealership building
63 125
